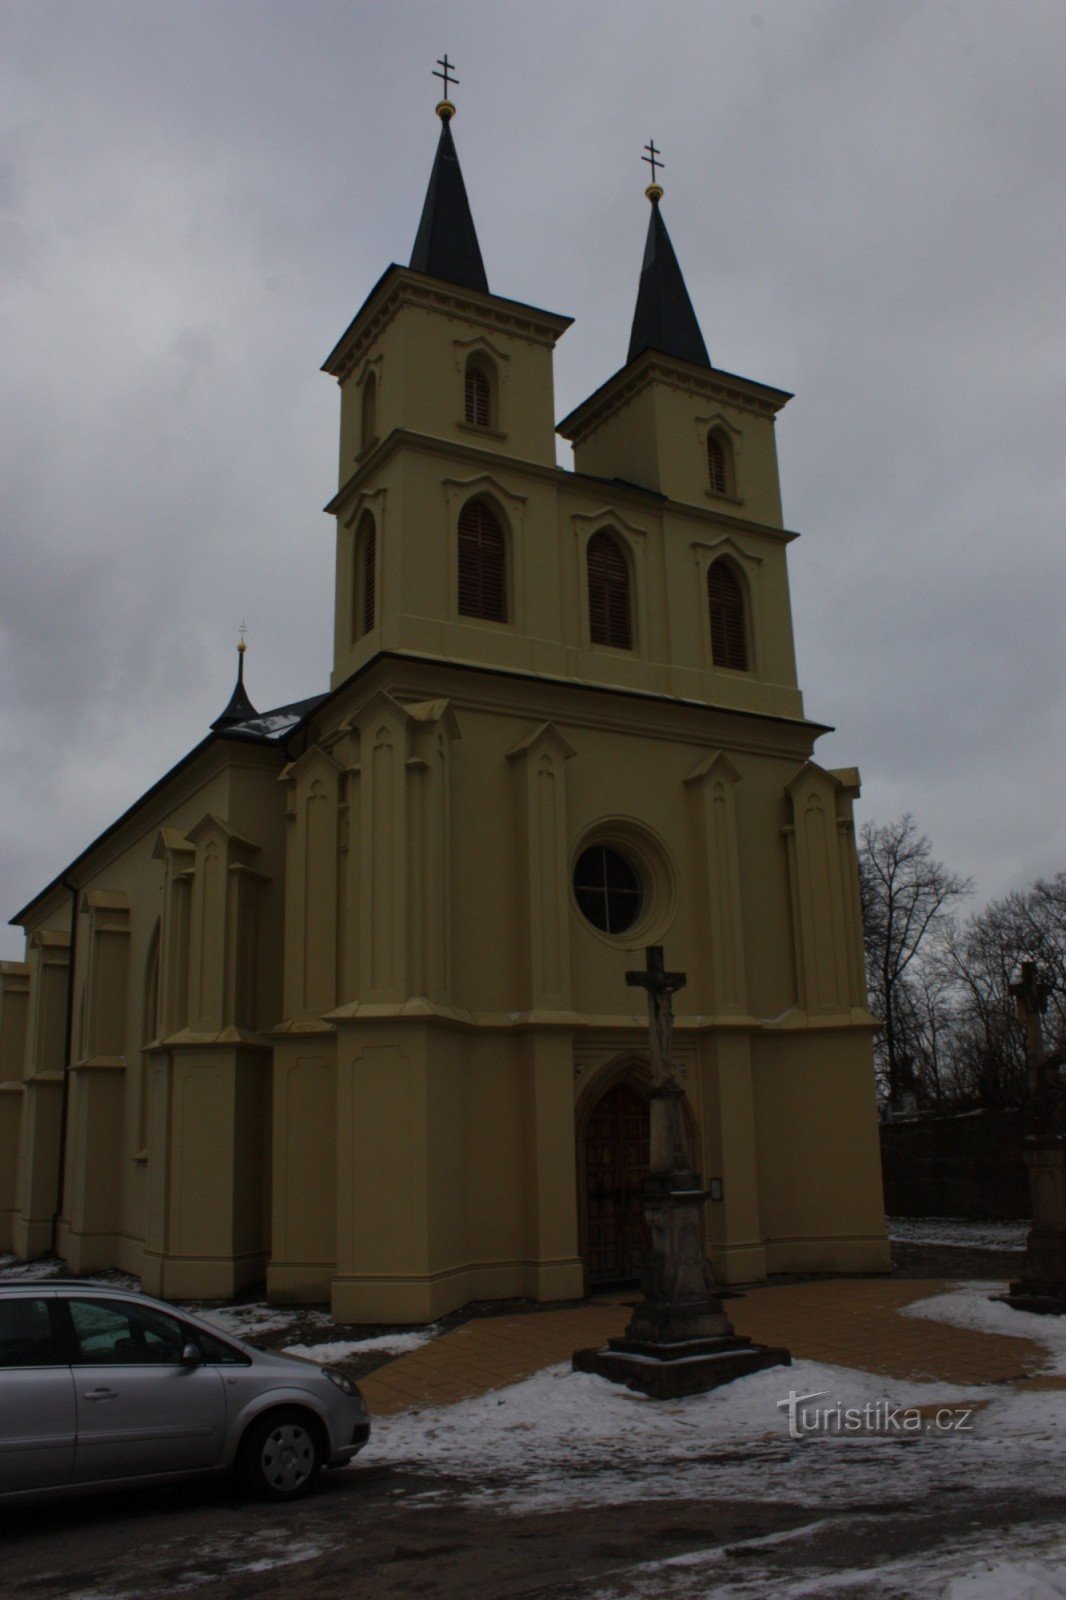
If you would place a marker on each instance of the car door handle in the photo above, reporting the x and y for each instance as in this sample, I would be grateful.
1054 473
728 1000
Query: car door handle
100 1394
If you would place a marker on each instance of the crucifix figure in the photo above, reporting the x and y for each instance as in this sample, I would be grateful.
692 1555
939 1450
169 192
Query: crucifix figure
661 987
1030 1000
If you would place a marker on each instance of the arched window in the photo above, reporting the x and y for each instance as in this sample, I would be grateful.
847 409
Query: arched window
478 395
719 462
609 608
482 564
370 410
729 644
364 588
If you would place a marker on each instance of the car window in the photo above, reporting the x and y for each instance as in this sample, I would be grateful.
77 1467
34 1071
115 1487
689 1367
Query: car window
26 1334
216 1351
115 1334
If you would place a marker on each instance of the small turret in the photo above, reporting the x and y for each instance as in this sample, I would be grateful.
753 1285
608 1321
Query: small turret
240 708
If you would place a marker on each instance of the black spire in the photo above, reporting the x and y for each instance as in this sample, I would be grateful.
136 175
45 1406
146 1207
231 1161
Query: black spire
664 319
240 708
446 243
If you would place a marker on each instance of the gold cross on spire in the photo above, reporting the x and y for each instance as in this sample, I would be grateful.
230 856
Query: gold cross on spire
652 158
242 645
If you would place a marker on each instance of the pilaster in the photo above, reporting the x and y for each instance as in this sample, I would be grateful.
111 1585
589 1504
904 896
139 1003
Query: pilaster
207 1231
539 796
711 785
383 1270
553 1266
92 1189
178 855
397 854
734 1233
823 905
14 1017
209 1080
37 1179
313 784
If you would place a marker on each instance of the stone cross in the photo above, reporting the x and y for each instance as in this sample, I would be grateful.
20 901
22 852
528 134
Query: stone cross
1030 1000
661 987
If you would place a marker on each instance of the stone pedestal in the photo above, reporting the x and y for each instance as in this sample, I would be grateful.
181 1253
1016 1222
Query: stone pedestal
1042 1285
679 1340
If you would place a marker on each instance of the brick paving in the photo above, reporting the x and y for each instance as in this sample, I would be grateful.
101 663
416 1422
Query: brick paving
848 1322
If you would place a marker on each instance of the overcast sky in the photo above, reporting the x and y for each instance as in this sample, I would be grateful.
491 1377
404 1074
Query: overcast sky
866 197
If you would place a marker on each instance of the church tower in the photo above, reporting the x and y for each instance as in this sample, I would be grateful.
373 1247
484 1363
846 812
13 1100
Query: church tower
564 724
341 999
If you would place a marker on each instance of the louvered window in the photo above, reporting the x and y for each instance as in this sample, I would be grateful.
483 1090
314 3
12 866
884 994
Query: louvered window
609 608
482 564
718 464
729 644
370 410
478 397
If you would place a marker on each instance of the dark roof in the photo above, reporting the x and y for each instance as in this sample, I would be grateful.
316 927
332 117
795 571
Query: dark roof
446 243
664 319
271 727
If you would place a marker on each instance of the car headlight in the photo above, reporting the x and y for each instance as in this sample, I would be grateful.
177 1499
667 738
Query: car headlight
342 1380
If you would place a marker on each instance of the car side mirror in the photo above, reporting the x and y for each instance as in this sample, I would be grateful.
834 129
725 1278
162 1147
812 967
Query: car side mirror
191 1355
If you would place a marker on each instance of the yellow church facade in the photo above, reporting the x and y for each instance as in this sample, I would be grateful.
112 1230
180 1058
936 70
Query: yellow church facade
341 1003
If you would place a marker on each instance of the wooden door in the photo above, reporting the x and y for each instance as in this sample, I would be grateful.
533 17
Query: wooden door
616 1164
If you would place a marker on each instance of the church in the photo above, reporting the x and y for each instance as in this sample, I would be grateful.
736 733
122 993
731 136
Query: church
340 1003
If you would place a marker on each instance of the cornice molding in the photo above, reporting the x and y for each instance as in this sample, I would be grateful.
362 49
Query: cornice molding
743 394
402 288
646 502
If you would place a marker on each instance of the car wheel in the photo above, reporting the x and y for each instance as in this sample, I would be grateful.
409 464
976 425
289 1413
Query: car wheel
281 1455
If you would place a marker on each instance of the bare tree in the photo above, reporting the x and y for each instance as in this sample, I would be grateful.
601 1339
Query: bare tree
906 893
981 959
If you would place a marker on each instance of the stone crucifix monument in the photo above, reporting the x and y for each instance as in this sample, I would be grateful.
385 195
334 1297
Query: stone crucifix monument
1042 1286
679 1339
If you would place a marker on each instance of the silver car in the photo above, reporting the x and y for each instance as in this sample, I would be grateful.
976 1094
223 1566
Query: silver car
102 1386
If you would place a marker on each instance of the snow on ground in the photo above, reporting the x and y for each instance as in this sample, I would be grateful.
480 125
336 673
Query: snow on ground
562 1437
1025 1580
958 1231
971 1569
393 1344
970 1306
12 1267
255 1318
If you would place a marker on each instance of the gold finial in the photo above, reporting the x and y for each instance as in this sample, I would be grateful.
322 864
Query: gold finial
445 108
654 191
242 645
